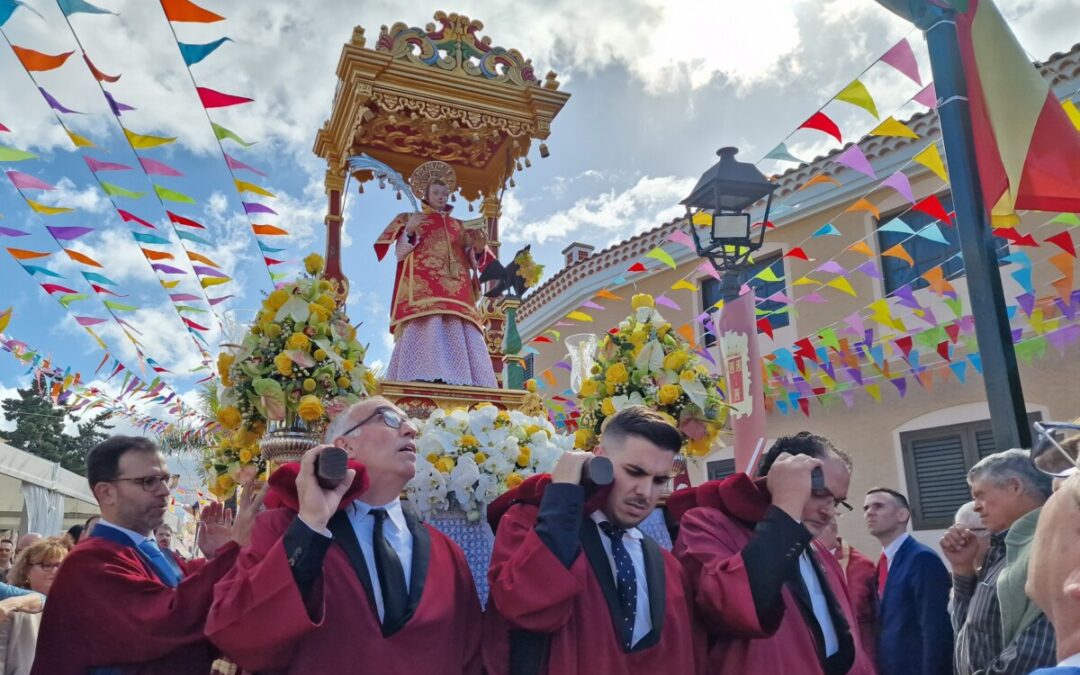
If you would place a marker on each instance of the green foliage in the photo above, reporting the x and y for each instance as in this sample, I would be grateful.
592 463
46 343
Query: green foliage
39 430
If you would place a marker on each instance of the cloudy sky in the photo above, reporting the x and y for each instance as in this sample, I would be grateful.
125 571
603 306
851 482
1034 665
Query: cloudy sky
657 86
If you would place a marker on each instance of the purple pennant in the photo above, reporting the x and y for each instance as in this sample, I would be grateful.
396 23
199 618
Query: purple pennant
255 207
778 296
928 316
1017 334
856 323
870 269
899 182
667 302
828 367
183 297
97 165
591 305
68 233
156 168
803 387
701 318
856 375
901 385
214 301
9 232
117 107
204 271
855 159
907 297
849 398
54 104
707 355
167 269
814 298
967 324
1026 302
832 267
564 365
1067 310
1064 337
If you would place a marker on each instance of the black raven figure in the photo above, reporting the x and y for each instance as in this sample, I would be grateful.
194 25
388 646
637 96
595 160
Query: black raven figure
507 278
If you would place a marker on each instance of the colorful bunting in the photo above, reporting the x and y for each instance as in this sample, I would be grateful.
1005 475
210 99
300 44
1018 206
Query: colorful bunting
901 57
24 181
70 7
55 104
217 99
222 133
244 186
193 54
185 11
898 251
661 255
891 127
933 207
864 204
782 153
822 122
47 210
820 178
931 159
155 168
168 195
826 230
861 247
841 284
145 142
927 97
899 182
36 62
97 165
857 95
855 159
13 155
98 75
79 141
932 233
117 191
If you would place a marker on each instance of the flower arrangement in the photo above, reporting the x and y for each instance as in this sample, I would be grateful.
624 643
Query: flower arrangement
229 459
300 362
468 458
644 362
528 269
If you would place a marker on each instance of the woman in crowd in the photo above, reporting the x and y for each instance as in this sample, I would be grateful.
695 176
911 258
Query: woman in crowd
34 569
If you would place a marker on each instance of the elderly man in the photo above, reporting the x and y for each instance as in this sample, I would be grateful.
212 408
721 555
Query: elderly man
117 605
1054 576
998 629
344 579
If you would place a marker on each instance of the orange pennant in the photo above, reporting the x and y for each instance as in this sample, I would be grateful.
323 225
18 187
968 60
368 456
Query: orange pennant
157 255
549 377
185 11
820 178
900 252
864 205
607 295
22 254
861 247
201 258
687 332
936 278
268 230
83 258
35 61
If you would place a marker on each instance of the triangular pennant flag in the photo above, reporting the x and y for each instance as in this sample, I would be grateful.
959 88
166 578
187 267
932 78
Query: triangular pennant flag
97 165
117 107
927 97
12 155
864 204
132 218
68 233
861 247
901 57
185 11
768 275
931 159
683 284
899 182
819 178
898 251
272 231
822 122
222 133
251 208
217 99
195 53
782 153
1064 241
661 255
891 127
144 142
35 61
244 186
47 210
172 195
117 191
80 141
70 7
98 75
932 233
933 207
82 258
607 295
22 254
579 316
155 168
237 165
856 94
855 159
842 284
826 230
898 226
25 181
55 104
797 252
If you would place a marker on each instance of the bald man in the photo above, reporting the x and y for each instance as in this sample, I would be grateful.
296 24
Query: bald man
1054 574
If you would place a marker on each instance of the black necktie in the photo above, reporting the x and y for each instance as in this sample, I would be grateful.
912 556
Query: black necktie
627 581
395 595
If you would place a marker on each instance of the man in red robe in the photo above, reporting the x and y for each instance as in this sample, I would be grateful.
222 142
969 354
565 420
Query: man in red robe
575 587
345 580
118 605
772 599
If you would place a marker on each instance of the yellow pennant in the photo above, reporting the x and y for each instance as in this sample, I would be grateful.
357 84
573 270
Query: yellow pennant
701 219
856 94
47 210
244 186
875 391
805 281
170 284
579 316
5 318
1073 112
141 142
842 284
80 142
891 127
683 284
931 159
207 282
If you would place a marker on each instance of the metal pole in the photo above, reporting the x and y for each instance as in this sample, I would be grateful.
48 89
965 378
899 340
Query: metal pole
1001 376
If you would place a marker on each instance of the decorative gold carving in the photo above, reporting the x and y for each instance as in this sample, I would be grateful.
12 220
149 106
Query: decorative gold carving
358 37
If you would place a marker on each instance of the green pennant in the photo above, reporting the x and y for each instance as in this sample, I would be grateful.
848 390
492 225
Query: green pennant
1070 219
222 133
66 300
119 307
1029 350
172 195
117 191
12 155
189 308
829 338
956 305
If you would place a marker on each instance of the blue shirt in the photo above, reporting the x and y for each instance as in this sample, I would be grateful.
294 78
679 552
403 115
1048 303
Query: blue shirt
9 591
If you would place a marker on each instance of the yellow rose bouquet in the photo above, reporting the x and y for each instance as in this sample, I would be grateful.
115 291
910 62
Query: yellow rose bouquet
298 365
644 362
230 457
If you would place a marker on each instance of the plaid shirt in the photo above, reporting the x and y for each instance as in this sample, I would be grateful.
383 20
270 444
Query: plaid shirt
976 619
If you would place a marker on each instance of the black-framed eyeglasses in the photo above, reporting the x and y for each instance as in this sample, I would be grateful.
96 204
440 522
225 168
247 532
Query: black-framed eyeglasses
841 506
390 418
47 567
1055 449
151 483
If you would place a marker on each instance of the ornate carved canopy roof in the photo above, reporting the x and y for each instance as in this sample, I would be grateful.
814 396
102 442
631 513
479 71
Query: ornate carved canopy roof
438 93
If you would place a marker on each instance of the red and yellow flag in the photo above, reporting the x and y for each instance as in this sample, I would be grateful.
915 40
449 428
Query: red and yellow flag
1028 152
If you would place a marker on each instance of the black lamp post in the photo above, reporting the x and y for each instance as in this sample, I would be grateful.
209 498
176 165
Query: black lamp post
722 199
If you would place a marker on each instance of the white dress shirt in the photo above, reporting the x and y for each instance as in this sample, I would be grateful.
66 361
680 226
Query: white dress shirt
136 538
891 549
632 541
396 532
1073 661
819 604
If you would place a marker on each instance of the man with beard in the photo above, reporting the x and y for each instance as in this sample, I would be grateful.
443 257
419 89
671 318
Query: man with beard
345 579
575 587
772 599
117 605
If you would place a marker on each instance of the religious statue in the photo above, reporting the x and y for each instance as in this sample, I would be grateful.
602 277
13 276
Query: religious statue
438 333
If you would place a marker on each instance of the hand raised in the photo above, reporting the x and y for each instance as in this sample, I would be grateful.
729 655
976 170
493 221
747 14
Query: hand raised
413 224
318 505
789 482
568 467
247 508
214 528
961 548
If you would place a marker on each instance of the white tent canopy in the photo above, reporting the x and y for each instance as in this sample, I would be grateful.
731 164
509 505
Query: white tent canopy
37 495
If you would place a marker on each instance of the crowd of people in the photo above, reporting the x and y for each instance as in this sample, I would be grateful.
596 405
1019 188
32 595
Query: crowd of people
311 576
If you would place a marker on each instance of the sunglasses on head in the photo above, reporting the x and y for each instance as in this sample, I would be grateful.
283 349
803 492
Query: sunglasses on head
1055 448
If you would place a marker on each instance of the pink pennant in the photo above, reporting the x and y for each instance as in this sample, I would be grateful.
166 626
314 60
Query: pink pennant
854 158
216 99
96 165
237 165
823 122
25 181
680 237
155 168
832 267
707 268
591 305
902 58
3 128
899 182
813 298
927 97
89 321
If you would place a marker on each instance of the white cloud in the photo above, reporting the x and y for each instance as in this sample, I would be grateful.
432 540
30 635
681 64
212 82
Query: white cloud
7 392
612 215
90 198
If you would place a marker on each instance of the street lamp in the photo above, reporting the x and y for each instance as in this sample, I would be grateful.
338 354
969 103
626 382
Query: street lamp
722 199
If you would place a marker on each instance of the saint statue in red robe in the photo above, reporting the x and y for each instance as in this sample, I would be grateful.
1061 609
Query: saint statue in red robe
437 328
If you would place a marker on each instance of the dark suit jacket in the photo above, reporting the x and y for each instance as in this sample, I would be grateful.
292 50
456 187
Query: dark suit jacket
915 634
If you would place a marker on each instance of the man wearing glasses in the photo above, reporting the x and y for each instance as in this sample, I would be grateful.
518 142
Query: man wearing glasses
772 598
344 579
117 604
913 589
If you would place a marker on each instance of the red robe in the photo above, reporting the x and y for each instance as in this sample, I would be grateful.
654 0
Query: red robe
107 608
531 589
261 620
712 536
435 277
861 575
